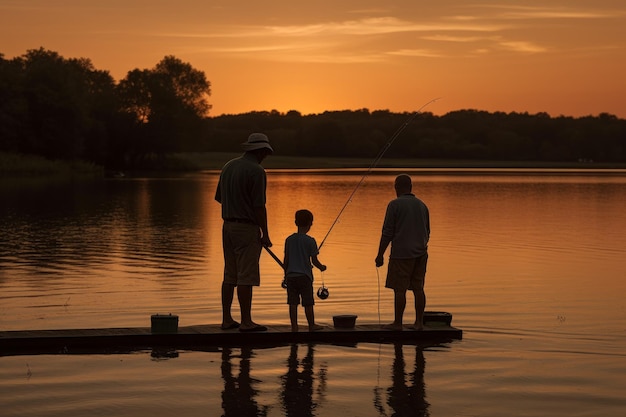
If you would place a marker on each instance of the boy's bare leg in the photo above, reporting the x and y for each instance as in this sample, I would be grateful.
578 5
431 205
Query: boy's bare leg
293 316
310 317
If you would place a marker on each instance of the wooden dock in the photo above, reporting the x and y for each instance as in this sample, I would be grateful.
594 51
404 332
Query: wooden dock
207 337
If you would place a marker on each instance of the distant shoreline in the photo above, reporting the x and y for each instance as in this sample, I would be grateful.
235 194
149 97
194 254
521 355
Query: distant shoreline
212 161
17 166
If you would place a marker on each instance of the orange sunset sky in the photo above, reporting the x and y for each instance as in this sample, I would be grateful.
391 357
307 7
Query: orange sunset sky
563 57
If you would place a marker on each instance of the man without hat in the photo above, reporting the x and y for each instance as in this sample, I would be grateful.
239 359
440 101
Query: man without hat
407 228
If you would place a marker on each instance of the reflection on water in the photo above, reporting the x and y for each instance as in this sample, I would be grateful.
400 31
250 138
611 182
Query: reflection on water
135 247
531 267
303 386
407 394
238 396
297 391
479 376
295 380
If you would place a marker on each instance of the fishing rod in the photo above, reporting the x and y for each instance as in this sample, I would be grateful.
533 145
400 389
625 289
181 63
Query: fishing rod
322 292
273 255
375 162
279 262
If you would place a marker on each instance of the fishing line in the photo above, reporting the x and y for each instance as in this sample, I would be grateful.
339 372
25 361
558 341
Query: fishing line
323 290
378 398
378 279
374 163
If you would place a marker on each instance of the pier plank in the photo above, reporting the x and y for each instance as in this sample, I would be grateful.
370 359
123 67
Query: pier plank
205 337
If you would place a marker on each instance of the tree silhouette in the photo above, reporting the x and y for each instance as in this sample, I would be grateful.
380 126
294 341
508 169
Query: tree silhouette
168 102
66 109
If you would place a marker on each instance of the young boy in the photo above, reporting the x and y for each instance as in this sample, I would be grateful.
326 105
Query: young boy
300 251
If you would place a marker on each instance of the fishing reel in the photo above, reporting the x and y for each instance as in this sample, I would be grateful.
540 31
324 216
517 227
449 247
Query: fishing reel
322 292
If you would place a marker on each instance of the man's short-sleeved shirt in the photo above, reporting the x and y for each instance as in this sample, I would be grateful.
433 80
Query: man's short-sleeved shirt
407 225
241 188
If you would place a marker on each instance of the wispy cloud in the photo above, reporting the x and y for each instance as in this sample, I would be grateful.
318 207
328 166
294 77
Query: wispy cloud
302 52
453 38
362 27
555 14
335 42
416 53
485 29
378 26
522 46
548 12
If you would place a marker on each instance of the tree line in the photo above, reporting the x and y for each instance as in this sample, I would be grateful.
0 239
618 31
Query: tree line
66 109
62 108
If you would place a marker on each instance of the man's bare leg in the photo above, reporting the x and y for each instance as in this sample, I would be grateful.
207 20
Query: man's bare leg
399 304
244 294
293 317
420 306
228 291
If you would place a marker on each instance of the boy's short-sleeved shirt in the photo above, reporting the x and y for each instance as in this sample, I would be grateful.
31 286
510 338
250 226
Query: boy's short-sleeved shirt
299 248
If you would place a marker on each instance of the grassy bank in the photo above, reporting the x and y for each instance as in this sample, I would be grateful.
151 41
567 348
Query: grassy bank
212 161
18 165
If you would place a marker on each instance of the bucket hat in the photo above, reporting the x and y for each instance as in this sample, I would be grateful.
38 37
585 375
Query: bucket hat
257 141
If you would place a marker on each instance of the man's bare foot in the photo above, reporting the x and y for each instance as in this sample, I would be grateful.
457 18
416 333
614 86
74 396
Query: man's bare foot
294 329
417 326
252 327
229 325
315 327
392 326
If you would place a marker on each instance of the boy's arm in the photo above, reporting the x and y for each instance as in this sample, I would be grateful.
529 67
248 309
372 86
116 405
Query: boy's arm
317 263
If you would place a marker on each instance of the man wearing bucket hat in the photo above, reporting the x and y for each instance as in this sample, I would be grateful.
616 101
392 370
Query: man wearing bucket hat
407 228
241 192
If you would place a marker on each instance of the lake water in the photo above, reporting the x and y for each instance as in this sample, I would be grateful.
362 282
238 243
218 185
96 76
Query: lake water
530 263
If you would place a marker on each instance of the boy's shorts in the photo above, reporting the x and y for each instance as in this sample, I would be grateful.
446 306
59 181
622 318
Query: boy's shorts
300 286
242 250
406 274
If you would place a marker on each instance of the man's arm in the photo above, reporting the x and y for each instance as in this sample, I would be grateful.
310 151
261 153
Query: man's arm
218 193
261 218
382 247
386 236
